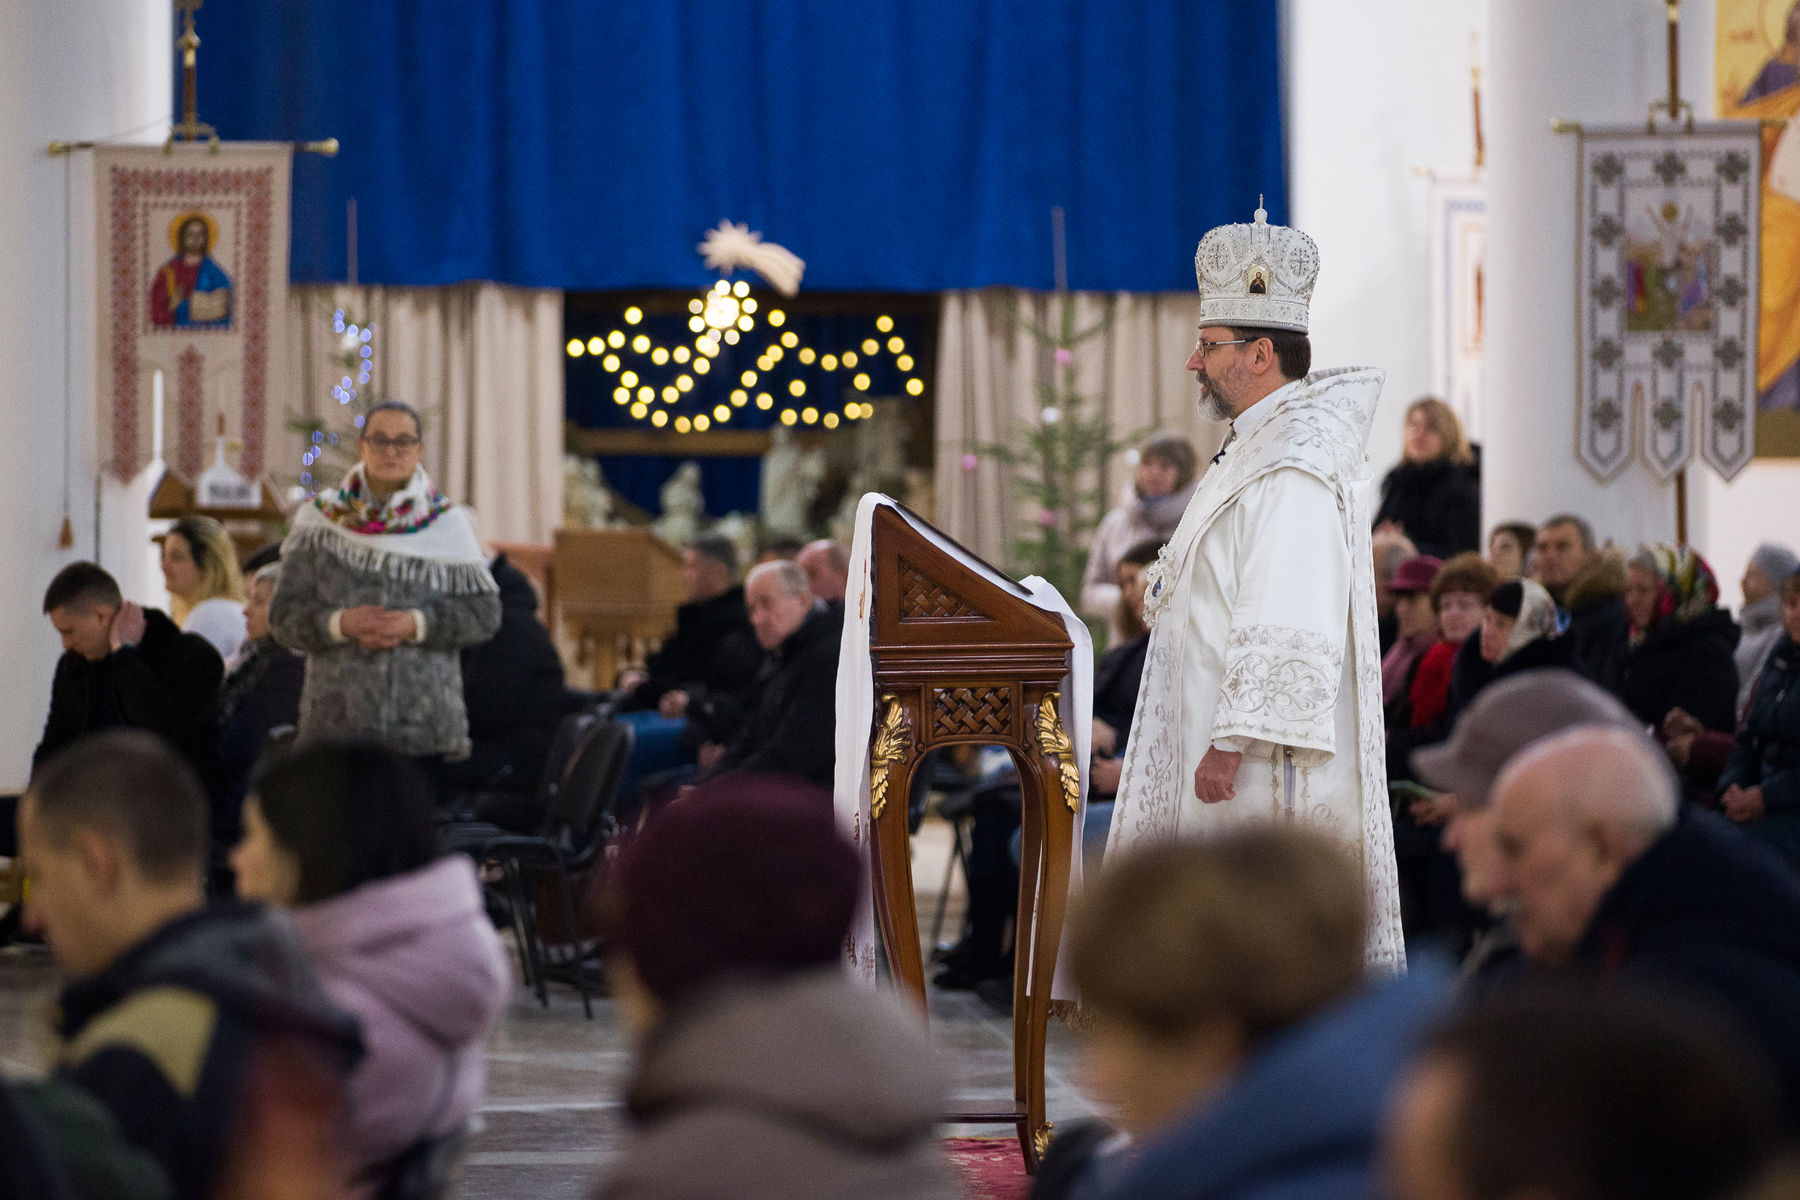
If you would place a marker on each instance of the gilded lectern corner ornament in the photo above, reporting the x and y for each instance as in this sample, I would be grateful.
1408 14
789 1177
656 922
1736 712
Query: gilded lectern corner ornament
892 740
1055 743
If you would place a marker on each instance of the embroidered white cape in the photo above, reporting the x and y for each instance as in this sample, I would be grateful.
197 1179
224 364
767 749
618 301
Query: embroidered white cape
1263 638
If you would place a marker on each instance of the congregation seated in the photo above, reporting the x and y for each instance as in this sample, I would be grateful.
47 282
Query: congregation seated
1416 631
178 1017
1574 1096
1390 548
1518 633
827 567
1116 679
790 726
1509 549
1680 646
1760 620
1503 721
712 656
343 837
1458 598
515 693
125 665
1588 585
1233 1033
206 589
1759 787
1610 883
1433 496
261 692
762 1068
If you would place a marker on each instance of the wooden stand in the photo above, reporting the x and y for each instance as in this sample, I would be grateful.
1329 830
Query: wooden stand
613 590
961 656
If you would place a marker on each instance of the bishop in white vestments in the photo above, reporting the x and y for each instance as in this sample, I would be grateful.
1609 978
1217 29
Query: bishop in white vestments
1261 694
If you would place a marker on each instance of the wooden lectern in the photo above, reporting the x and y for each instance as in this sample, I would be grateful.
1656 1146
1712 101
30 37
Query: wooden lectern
613 589
962 656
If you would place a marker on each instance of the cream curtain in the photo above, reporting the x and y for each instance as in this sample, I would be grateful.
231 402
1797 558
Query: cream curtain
989 372
483 364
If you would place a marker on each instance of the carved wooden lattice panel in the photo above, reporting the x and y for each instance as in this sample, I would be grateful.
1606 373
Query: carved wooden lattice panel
978 711
923 598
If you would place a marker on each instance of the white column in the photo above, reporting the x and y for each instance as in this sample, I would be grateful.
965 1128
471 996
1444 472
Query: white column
1374 91
1598 62
77 71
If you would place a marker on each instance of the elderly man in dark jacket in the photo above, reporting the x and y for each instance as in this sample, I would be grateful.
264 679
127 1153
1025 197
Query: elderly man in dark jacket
1609 884
791 725
712 652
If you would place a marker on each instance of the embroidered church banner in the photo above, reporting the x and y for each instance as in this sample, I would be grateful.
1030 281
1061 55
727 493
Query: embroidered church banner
1459 297
1667 285
1757 73
192 250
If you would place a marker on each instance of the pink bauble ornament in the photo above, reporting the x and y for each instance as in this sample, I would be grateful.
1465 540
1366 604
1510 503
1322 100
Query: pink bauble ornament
1064 356
1047 517
970 462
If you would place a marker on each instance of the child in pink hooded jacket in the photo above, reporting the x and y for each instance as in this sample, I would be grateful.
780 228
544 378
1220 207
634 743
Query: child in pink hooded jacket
343 835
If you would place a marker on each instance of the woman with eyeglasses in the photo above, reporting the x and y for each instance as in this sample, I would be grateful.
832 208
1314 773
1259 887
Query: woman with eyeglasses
383 583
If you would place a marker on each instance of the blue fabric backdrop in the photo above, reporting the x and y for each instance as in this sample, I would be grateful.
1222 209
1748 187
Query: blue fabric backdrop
893 144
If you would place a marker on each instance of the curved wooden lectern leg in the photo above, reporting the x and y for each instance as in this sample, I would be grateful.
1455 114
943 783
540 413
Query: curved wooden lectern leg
896 912
1047 835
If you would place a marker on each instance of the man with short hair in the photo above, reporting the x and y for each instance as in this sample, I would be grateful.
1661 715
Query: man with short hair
711 650
791 726
1606 882
1588 585
173 1011
827 567
124 665
1261 696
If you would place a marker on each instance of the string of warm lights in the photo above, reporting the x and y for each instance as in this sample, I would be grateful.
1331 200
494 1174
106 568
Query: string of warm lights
722 317
356 351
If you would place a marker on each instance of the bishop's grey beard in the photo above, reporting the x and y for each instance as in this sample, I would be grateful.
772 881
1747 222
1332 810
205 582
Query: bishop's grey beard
1212 405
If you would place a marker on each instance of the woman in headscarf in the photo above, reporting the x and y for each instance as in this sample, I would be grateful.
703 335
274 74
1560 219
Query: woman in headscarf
383 582
1760 786
1518 633
1680 653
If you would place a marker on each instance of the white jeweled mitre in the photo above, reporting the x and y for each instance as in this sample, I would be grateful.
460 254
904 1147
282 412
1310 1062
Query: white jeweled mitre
1260 275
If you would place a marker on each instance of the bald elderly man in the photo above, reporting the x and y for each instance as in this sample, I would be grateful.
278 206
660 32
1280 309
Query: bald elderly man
1609 881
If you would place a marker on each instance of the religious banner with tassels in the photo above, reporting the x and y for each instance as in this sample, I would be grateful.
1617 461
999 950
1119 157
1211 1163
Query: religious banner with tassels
1668 287
192 246
1669 222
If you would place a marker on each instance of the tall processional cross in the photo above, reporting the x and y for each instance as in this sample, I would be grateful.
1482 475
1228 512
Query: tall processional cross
191 128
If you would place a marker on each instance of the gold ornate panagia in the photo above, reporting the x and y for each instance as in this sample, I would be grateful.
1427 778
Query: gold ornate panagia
962 656
892 741
1055 743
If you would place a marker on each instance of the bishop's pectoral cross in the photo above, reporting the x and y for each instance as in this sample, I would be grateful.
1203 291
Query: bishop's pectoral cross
191 128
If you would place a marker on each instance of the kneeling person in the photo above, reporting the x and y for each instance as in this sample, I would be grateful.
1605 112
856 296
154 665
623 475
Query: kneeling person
176 1015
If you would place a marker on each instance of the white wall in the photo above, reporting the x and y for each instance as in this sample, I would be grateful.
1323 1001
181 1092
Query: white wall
1378 87
1375 89
68 71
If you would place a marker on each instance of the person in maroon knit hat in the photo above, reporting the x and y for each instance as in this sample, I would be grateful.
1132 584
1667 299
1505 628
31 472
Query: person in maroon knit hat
763 1068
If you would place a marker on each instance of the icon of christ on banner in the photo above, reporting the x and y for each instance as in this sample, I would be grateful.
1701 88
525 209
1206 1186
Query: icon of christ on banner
191 291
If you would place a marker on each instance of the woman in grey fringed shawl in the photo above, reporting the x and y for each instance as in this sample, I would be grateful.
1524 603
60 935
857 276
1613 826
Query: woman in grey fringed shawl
383 582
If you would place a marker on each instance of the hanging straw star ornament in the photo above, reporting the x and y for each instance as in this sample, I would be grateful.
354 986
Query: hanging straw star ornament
733 247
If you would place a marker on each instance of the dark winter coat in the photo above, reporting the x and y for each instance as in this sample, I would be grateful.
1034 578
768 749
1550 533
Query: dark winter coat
810 1087
172 1035
1116 679
1711 914
261 695
713 650
1767 751
1301 1119
1599 628
168 684
791 728
514 691
1687 665
1437 503
1470 672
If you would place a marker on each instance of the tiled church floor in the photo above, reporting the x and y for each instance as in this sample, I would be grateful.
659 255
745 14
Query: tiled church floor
552 1117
